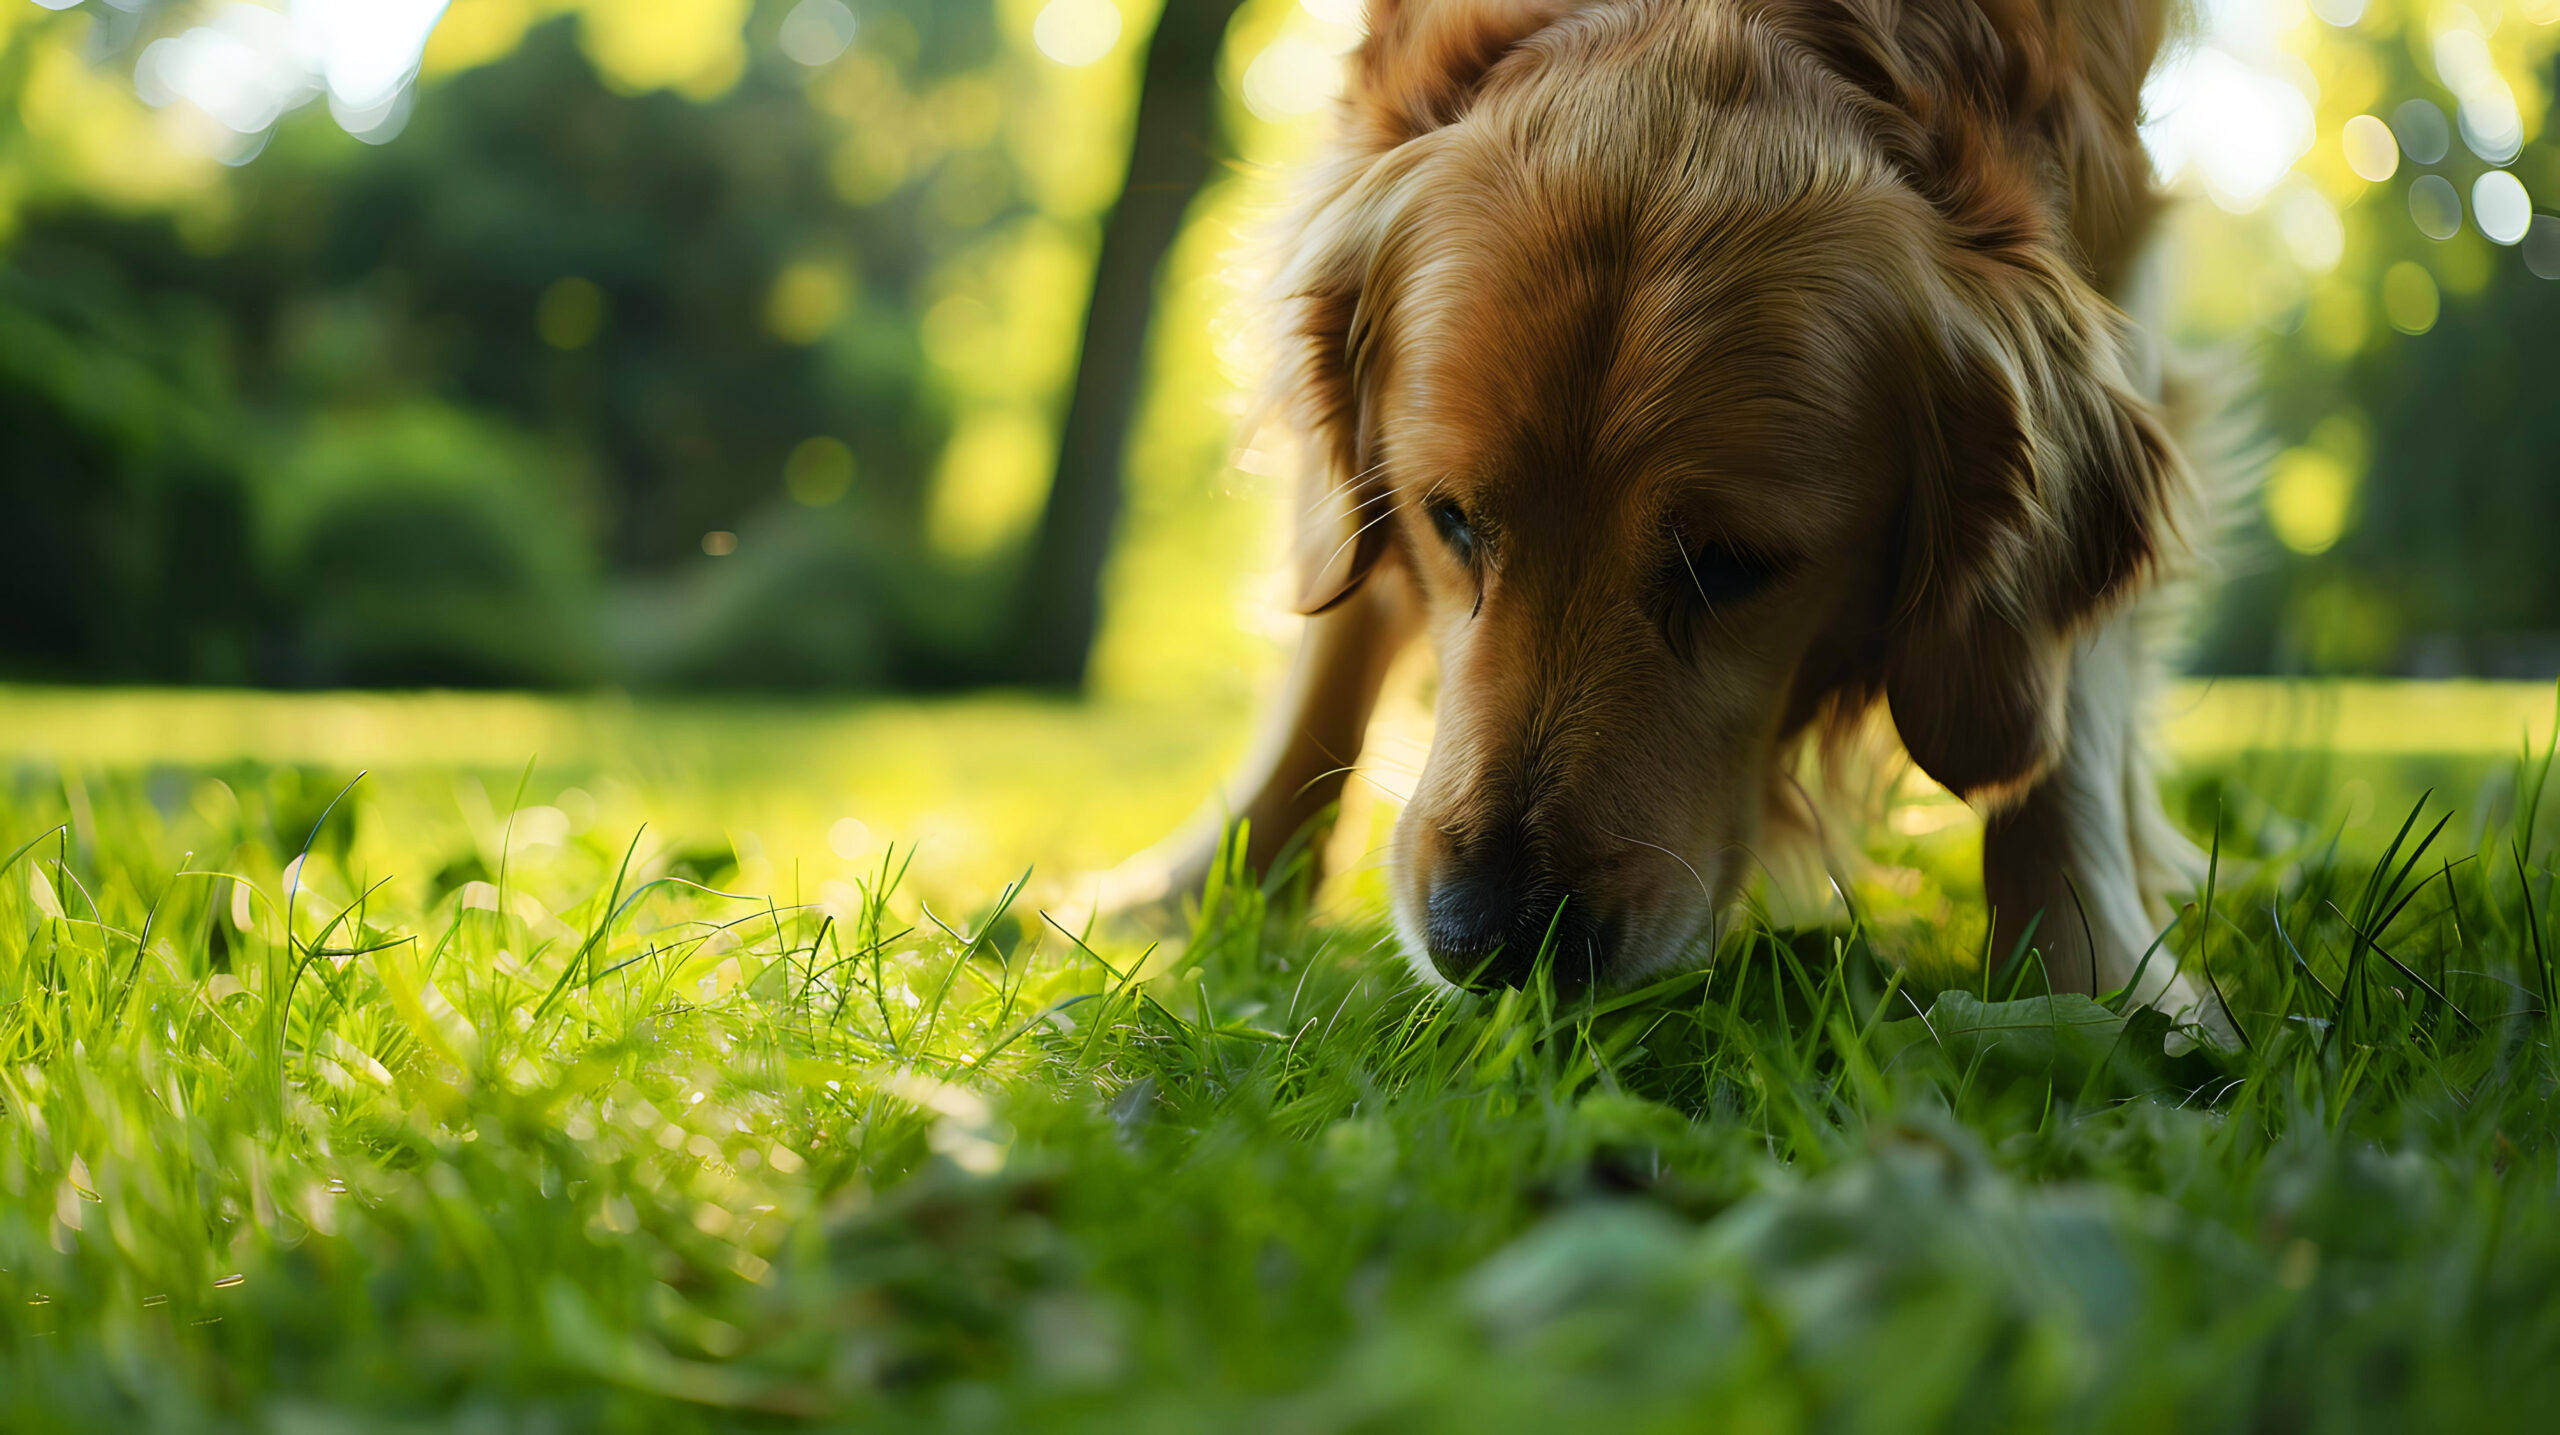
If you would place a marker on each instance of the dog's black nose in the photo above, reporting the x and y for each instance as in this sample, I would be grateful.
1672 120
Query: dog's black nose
1486 926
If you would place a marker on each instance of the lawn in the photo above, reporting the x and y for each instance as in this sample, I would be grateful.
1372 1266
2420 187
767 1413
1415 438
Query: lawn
591 1065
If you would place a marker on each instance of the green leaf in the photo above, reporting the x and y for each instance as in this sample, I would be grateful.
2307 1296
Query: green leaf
2069 1039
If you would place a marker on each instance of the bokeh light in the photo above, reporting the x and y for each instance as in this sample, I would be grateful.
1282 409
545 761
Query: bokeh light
2237 127
2500 206
249 65
2409 298
818 472
241 69
2423 134
2542 246
570 313
817 31
1076 33
1294 75
2492 127
2370 150
696 48
993 476
2308 494
806 300
2434 206
2312 230
2310 490
850 839
1291 61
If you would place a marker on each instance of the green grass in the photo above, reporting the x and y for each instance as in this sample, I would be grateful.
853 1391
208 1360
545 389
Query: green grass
501 1112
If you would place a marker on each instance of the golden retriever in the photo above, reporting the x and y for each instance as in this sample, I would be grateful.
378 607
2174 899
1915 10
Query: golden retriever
1699 375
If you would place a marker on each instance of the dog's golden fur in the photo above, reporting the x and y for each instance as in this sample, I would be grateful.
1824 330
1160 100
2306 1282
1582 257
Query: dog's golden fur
1699 375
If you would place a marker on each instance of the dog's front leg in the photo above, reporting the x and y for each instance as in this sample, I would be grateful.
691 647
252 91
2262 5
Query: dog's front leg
1309 740
2088 855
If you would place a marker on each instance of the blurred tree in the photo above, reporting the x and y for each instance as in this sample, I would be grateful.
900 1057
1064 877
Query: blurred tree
1172 145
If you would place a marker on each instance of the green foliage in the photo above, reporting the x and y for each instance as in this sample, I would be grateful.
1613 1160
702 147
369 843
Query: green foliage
425 545
2068 1040
2429 432
484 1115
132 517
383 329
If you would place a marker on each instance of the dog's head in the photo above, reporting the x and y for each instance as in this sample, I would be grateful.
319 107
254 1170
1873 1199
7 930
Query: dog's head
1711 370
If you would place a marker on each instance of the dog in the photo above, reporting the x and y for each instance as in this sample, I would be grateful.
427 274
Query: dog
1700 377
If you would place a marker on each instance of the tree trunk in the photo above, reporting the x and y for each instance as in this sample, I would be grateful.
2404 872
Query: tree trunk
1059 603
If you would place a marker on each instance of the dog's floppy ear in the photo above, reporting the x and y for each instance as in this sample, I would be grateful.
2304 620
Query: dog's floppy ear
1334 295
2042 489
2043 495
1421 66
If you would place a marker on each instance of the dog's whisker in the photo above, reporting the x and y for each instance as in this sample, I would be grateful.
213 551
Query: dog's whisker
1839 887
1703 889
1326 492
1714 616
1341 770
1821 837
1389 793
1350 769
1345 544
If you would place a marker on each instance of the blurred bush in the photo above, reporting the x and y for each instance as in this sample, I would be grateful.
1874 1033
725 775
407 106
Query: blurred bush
423 544
804 606
130 553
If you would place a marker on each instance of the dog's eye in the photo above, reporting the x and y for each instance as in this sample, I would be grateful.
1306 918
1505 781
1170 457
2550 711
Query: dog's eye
1717 575
1455 531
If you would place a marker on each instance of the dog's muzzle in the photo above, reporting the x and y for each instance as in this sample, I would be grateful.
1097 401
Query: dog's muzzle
1486 925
